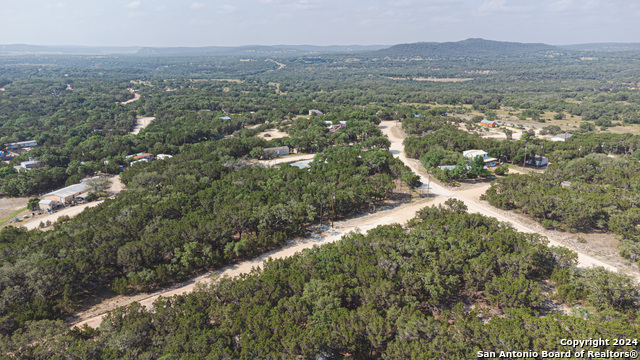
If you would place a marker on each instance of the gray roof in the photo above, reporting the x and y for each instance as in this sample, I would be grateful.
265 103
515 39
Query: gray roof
277 148
70 190
22 142
447 167
225 118
564 136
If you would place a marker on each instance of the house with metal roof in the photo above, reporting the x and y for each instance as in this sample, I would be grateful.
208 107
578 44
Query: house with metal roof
68 194
145 156
21 144
538 161
488 123
488 161
276 151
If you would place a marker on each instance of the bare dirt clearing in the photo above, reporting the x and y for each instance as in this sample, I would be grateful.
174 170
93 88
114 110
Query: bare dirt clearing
272 134
9 205
142 122
286 159
34 223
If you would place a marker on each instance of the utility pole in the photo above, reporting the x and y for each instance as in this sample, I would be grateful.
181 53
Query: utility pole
333 211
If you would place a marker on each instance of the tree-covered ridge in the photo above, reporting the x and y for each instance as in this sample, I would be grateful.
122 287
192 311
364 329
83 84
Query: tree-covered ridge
471 48
432 290
202 209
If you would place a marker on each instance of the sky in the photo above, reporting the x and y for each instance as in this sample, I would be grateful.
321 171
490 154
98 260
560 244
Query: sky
315 22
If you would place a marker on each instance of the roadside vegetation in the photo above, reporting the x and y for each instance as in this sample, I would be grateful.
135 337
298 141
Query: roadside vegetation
393 293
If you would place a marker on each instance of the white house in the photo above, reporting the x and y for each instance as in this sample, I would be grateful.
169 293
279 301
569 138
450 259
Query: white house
538 161
488 161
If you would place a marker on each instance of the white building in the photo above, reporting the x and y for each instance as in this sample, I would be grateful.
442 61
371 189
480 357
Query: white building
276 151
21 144
561 137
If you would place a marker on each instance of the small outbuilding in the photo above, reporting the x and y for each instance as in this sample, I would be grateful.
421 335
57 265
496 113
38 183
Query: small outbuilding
27 165
561 137
47 205
538 161
488 123
276 151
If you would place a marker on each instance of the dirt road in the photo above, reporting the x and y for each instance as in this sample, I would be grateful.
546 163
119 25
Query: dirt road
400 214
280 65
396 137
136 97
93 316
70 212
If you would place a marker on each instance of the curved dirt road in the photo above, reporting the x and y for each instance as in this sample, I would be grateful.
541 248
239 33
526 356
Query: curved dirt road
136 97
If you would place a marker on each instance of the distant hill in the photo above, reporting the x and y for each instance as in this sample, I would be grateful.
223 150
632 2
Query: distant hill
257 50
603 47
18 49
466 48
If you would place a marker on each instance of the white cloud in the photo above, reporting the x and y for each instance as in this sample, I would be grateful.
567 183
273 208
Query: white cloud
197 5
133 5
492 6
590 5
227 9
561 5
294 4
400 3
